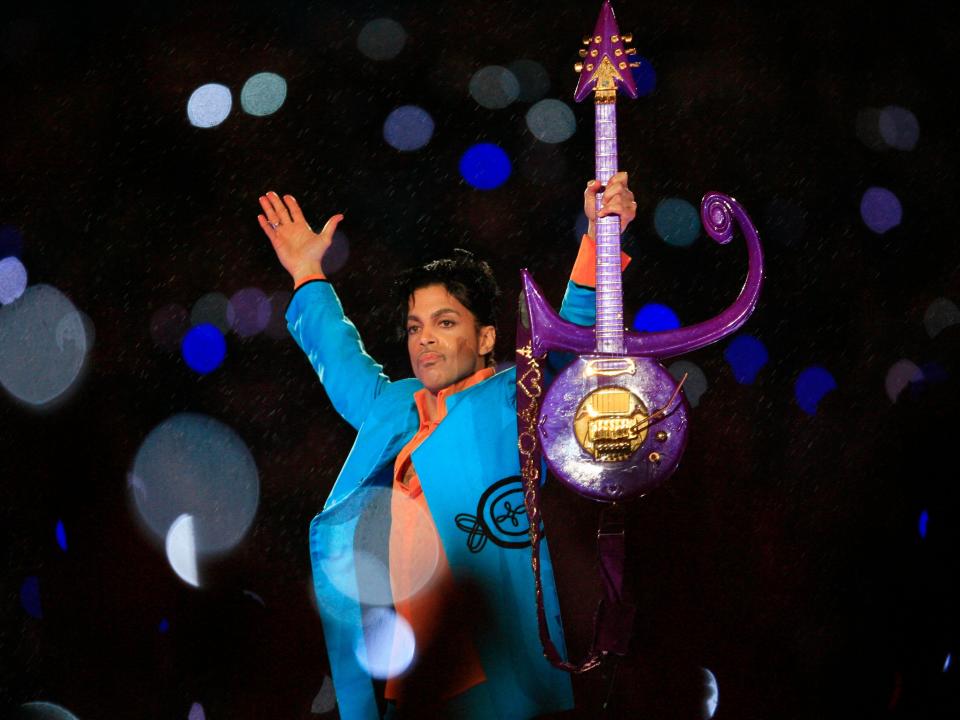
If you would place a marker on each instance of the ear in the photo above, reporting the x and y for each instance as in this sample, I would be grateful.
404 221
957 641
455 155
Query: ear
488 338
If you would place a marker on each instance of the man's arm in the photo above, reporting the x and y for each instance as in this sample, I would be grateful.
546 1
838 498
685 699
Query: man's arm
315 318
579 300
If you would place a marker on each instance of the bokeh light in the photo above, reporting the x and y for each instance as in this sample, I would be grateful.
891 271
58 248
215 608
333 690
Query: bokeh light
696 383
263 94
193 464
11 241
248 312
196 712
277 327
939 315
336 255
326 699
746 356
899 127
408 128
181 547
811 386
364 574
204 348
211 308
644 76
13 279
494 87
43 711
899 376
386 646
163 626
381 39
30 597
711 694
209 105
168 325
61 533
44 345
880 209
946 663
551 121
256 598
654 317
922 524
532 78
485 166
676 221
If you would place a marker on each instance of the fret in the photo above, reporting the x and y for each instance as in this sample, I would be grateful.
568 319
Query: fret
609 325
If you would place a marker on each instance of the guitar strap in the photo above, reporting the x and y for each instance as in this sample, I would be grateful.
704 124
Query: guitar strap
613 621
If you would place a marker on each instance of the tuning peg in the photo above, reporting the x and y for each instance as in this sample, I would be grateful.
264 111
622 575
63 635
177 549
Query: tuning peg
631 51
627 37
578 67
583 52
587 39
634 64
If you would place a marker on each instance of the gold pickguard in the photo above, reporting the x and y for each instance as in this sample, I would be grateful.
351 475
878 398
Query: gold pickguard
611 424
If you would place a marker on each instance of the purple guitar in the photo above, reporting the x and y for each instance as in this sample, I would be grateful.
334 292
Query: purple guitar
613 425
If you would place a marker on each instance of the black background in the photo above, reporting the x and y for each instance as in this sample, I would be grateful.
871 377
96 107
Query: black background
784 555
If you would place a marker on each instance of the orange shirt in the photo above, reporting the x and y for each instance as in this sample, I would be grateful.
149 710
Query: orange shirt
423 587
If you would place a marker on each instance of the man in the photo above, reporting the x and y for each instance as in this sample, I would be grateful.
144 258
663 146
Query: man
443 445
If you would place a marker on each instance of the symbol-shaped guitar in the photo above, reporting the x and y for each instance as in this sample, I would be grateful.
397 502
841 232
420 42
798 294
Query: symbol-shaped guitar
613 425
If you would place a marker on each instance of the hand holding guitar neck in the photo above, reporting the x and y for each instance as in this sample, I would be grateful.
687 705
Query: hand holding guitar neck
617 199
299 249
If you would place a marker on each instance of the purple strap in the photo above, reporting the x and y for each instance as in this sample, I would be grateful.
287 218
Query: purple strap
613 622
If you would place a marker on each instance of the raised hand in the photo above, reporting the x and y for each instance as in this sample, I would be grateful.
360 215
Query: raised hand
617 200
299 249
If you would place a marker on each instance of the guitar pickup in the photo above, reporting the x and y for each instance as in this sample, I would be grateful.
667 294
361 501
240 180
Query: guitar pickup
611 367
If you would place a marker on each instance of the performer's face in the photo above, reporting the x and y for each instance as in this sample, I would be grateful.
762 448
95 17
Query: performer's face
445 341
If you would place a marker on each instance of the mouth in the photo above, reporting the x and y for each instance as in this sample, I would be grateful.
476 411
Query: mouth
428 359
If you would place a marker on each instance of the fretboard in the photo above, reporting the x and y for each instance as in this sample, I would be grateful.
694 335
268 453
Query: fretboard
609 327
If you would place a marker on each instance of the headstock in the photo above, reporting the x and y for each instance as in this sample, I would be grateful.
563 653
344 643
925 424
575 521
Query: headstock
606 61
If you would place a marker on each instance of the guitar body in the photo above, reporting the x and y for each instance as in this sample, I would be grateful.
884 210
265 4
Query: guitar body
613 428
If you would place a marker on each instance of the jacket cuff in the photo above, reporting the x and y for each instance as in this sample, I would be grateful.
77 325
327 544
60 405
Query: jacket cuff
585 267
307 278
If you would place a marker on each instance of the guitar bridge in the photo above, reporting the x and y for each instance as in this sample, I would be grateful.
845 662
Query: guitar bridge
611 424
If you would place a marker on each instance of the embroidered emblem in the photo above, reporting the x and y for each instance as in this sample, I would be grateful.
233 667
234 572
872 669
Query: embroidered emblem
501 517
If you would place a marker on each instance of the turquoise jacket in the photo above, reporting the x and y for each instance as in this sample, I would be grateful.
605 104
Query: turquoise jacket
470 474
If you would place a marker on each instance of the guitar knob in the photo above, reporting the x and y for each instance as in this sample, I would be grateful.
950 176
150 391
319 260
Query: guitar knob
662 436
578 67
655 458
626 37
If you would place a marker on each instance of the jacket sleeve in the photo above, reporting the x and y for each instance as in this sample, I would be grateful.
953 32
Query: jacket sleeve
351 378
579 304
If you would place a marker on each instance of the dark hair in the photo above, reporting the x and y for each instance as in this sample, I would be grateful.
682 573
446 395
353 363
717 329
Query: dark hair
465 277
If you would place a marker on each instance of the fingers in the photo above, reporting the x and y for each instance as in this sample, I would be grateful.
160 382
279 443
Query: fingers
295 212
279 208
593 187
331 226
268 229
268 210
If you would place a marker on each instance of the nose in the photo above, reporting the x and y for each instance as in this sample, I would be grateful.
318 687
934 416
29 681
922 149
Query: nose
426 336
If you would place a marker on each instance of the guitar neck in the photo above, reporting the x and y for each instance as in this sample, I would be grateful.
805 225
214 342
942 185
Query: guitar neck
609 328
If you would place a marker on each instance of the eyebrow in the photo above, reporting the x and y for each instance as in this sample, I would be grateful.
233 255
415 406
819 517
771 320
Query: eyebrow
435 314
